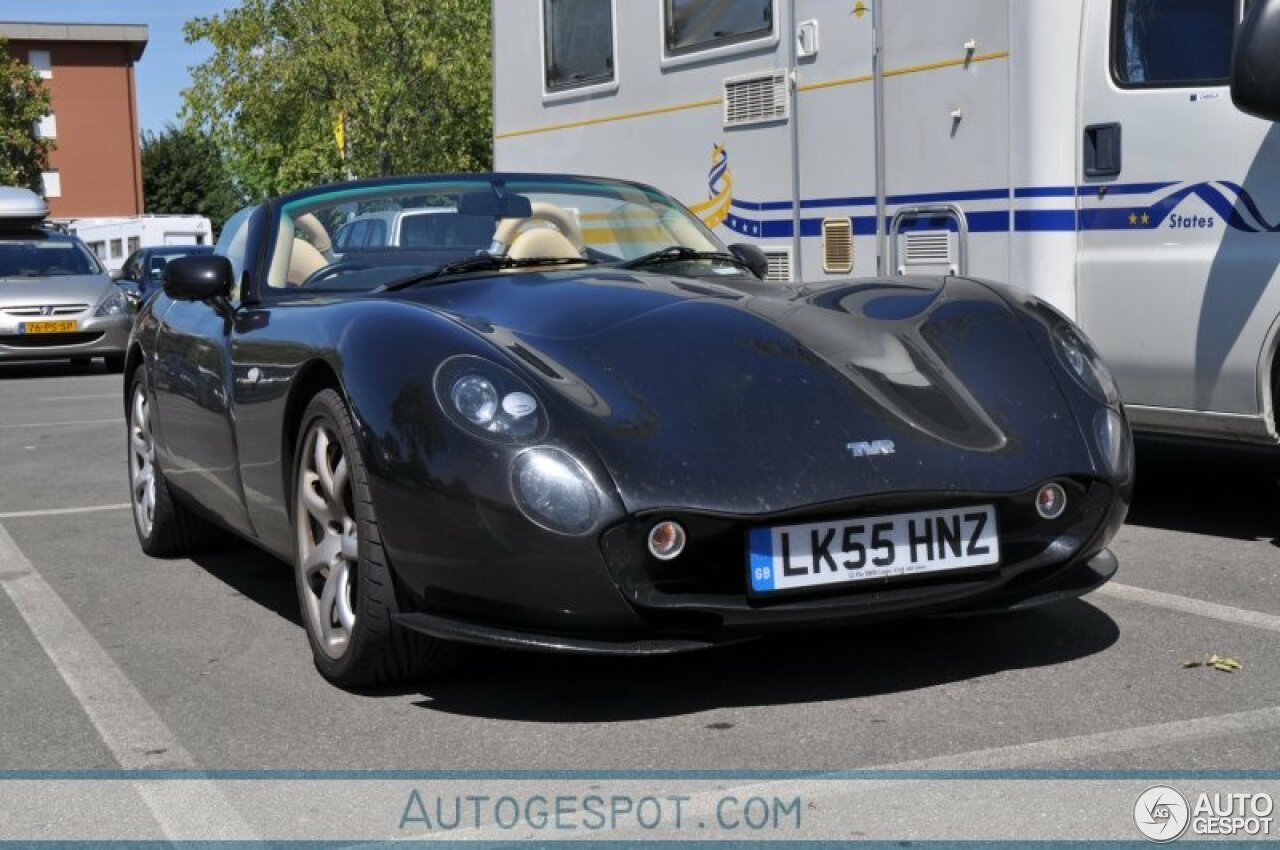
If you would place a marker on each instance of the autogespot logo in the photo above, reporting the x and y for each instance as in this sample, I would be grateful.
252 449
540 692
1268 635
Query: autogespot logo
1161 813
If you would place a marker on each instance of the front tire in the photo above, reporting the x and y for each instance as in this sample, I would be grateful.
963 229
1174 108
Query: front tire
165 526
344 583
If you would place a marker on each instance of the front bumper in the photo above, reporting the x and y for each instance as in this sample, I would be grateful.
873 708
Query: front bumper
701 599
94 337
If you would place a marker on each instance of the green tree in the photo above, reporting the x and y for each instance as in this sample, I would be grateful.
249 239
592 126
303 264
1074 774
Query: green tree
404 84
23 101
183 173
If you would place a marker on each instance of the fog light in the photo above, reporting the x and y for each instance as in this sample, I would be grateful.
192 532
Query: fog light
1051 501
666 540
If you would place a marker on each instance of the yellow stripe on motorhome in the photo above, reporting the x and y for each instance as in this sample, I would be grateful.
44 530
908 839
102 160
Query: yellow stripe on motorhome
807 87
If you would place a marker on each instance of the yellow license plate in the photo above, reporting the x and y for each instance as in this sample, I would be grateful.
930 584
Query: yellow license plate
65 326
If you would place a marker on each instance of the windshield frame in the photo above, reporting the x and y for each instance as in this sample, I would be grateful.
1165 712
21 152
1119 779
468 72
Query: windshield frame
282 211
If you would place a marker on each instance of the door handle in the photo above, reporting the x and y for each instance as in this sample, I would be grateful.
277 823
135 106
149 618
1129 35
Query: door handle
1102 150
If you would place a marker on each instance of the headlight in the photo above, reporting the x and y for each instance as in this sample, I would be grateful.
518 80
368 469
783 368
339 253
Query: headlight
489 401
555 491
1114 441
1084 364
115 304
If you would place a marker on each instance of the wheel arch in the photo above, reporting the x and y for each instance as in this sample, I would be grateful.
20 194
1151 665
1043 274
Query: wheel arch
314 377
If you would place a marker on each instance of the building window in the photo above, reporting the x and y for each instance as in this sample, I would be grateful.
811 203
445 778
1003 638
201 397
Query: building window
1171 43
578 42
117 249
52 184
42 62
695 25
135 243
47 127
99 249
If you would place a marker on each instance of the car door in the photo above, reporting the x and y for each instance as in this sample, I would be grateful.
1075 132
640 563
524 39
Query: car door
196 445
1179 213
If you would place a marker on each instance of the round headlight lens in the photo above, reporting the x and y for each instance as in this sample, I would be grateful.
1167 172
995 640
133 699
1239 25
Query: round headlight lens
1079 358
488 400
1114 441
555 491
476 399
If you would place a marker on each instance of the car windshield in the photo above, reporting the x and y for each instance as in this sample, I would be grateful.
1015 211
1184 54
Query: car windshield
367 236
44 256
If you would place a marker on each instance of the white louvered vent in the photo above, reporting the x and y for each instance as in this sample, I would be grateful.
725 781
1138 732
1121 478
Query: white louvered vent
779 265
756 99
837 245
927 250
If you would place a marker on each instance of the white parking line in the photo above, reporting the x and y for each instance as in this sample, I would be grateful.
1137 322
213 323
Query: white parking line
88 509
119 420
1187 605
128 725
1064 750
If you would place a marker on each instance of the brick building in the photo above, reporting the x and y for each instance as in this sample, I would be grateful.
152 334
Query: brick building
96 168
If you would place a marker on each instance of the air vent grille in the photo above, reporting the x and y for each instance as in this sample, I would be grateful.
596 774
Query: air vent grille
927 247
40 311
779 265
756 99
837 245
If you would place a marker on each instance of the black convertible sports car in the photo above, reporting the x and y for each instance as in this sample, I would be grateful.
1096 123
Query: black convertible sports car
556 413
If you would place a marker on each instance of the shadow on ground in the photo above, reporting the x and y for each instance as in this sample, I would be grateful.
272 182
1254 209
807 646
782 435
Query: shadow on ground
50 369
802 667
1208 489
811 666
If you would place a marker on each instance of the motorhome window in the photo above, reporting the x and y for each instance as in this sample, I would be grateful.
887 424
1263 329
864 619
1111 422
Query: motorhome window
1172 43
135 242
117 249
99 249
697 25
578 40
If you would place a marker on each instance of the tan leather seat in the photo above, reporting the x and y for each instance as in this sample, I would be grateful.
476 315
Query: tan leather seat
543 242
304 261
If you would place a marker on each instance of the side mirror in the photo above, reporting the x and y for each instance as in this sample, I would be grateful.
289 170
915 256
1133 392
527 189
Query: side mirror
198 277
117 274
1255 70
755 259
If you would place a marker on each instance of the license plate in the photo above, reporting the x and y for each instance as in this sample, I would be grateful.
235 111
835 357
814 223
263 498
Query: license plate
62 326
843 551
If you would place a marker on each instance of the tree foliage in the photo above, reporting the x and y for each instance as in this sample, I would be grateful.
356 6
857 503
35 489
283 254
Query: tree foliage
183 174
23 101
408 81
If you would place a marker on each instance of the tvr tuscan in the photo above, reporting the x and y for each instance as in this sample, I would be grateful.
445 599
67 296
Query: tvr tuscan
557 413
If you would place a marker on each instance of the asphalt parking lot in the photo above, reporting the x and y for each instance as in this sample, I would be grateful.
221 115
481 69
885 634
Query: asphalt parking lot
113 659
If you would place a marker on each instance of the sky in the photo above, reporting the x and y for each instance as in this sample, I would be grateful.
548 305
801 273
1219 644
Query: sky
163 72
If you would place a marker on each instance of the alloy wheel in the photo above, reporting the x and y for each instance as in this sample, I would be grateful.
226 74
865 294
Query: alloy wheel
142 459
328 549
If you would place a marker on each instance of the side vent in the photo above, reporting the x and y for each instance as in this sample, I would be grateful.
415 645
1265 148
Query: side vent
779 265
928 252
756 99
837 245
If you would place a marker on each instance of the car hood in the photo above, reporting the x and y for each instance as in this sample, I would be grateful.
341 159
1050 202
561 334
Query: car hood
759 399
52 291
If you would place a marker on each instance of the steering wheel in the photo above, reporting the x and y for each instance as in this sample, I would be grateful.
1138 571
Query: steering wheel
332 269
508 229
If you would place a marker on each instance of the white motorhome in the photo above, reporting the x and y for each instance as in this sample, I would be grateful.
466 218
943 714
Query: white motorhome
1085 150
115 239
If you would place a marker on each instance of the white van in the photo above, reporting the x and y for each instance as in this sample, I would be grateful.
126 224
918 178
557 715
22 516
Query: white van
1085 150
113 240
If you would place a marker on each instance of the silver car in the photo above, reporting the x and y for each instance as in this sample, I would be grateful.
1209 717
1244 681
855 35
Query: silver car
56 299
